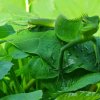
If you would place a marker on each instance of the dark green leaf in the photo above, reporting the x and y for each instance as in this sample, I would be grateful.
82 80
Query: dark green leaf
39 69
44 44
84 81
81 56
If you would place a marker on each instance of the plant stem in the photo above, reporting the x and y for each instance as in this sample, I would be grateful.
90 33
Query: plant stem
37 83
17 84
29 84
7 86
22 77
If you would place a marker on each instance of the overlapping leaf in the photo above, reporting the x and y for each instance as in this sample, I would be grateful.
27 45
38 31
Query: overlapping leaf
39 69
14 52
44 44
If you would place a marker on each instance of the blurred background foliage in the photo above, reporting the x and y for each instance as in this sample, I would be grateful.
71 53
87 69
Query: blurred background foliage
25 9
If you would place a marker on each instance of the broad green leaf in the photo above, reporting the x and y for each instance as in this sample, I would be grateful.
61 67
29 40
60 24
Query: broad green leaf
84 81
6 30
44 44
5 66
37 95
79 96
39 69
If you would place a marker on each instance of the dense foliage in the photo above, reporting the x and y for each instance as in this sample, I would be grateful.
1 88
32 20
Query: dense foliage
29 54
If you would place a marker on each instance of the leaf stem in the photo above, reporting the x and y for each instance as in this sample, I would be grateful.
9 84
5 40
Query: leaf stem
22 77
17 84
29 84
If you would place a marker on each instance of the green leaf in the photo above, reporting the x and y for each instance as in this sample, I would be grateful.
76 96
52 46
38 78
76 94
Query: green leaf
15 52
44 44
84 81
5 66
39 69
6 30
37 95
79 96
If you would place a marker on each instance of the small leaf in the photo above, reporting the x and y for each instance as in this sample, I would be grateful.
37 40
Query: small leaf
5 66
6 30
15 52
